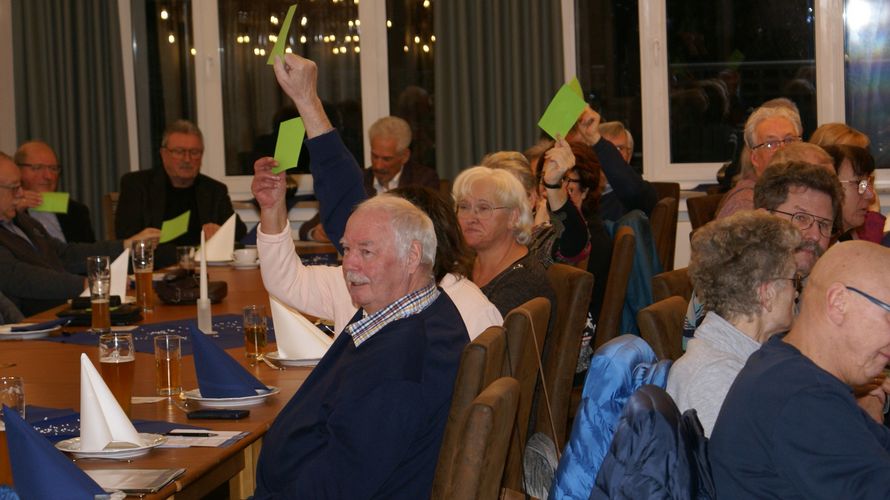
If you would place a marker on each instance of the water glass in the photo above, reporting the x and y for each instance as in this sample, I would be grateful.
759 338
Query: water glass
12 394
185 257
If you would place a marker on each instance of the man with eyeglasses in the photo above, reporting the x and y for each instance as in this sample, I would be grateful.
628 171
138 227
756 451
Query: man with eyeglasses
767 130
790 426
40 174
149 197
41 272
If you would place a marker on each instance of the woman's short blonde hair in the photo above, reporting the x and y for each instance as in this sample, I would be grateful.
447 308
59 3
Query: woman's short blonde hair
508 192
839 133
517 164
733 256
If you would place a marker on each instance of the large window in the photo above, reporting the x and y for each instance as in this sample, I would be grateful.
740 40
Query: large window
867 73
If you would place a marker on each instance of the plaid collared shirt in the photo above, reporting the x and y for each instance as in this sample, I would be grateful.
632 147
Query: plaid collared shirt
409 305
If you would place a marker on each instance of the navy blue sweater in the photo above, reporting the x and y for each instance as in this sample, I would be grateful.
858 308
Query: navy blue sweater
368 422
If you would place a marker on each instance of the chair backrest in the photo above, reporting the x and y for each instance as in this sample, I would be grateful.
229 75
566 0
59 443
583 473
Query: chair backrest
666 190
661 325
481 362
573 288
609 322
526 329
484 438
670 283
664 229
109 209
702 209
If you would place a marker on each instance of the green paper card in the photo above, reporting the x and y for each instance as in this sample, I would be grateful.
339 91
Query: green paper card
53 202
175 227
562 113
576 86
281 41
289 144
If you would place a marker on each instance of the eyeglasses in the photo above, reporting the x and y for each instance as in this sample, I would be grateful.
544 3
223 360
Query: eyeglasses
12 187
796 280
777 143
39 167
481 211
878 302
181 153
804 221
861 185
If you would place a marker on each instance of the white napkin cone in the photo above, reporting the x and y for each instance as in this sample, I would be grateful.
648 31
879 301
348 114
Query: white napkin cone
118 276
296 336
102 420
221 246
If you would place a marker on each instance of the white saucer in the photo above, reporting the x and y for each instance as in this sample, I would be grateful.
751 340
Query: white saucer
114 450
7 334
293 362
217 263
195 395
248 265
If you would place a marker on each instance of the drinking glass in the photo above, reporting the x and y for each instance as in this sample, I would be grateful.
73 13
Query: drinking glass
99 277
117 363
254 331
168 364
185 257
12 394
143 252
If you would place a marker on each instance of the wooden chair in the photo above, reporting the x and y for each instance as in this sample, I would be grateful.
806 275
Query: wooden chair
481 363
702 209
671 283
666 190
573 288
525 329
664 230
661 325
109 209
609 322
483 442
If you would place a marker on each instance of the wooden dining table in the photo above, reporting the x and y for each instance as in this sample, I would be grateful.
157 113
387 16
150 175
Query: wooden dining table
51 375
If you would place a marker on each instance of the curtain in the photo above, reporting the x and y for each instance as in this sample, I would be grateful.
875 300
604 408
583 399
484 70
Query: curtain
70 92
497 65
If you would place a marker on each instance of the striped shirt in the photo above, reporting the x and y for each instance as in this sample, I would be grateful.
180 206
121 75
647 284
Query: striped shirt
409 305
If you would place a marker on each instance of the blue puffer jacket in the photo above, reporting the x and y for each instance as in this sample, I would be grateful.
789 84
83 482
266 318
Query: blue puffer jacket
617 369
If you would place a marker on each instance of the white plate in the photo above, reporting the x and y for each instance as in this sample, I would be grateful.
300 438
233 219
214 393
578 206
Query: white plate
7 334
217 263
251 265
195 395
293 362
114 450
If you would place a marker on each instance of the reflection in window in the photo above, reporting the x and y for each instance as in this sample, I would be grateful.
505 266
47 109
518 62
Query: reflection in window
171 66
867 74
608 47
726 58
254 105
411 43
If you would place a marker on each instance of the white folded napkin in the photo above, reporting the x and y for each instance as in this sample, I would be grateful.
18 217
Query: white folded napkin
296 336
118 270
221 246
102 420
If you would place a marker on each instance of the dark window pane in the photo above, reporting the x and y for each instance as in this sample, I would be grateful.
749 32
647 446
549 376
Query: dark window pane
608 51
410 46
253 103
726 58
867 73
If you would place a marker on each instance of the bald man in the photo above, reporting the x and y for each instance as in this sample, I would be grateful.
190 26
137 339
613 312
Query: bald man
40 171
790 426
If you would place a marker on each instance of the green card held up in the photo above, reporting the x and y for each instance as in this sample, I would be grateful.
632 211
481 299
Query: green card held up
175 227
563 111
289 144
53 202
575 85
281 41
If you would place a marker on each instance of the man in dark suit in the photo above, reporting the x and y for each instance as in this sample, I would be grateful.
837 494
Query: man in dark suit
40 174
149 197
391 164
40 272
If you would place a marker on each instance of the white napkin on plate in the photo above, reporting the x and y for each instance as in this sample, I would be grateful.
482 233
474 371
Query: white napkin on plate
118 275
222 244
296 336
102 420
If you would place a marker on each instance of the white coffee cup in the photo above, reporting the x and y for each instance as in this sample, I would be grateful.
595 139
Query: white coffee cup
245 256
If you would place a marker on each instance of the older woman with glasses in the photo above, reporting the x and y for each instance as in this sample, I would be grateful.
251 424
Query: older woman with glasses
745 275
495 218
855 167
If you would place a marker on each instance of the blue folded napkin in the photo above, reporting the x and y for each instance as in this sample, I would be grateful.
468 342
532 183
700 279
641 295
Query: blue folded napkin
219 375
46 325
34 460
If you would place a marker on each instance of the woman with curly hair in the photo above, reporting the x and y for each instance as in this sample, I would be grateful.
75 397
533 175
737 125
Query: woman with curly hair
745 275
